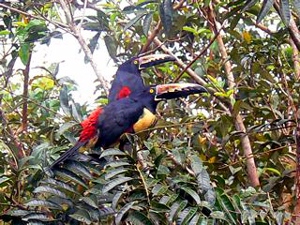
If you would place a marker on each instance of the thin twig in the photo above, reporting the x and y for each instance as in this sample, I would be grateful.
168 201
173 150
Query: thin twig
200 54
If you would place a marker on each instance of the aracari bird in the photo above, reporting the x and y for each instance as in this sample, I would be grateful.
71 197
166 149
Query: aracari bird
105 125
128 77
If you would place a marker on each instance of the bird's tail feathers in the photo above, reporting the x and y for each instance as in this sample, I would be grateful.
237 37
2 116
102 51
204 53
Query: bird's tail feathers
69 153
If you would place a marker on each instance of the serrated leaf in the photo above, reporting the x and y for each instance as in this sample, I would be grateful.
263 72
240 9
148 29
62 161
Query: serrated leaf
117 164
138 218
90 201
192 193
60 184
116 199
122 212
115 182
228 208
50 190
285 11
66 174
18 212
186 215
175 208
147 23
133 21
203 181
210 197
82 216
115 172
37 216
78 169
166 14
266 6
112 152
196 164
159 189
43 203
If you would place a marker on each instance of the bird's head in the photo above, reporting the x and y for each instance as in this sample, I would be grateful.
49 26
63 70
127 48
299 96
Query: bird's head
151 95
139 63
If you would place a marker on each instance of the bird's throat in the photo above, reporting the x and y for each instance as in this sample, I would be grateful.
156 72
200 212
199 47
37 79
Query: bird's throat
145 121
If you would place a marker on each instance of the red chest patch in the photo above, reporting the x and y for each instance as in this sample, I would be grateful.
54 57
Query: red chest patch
124 92
89 125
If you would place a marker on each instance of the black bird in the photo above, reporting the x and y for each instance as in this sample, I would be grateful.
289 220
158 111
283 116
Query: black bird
128 77
104 126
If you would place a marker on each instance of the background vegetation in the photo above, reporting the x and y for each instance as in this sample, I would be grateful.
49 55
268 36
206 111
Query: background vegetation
228 157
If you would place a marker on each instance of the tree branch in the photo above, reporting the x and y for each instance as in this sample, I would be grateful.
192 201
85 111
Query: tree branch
25 95
77 33
239 124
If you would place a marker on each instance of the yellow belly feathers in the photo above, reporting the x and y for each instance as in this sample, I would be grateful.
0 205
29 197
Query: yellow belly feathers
145 121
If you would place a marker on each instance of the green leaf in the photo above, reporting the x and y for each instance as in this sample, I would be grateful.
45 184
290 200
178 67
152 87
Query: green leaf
138 218
118 164
175 208
273 170
82 216
166 15
50 190
186 215
37 216
64 100
114 172
192 193
228 208
159 189
116 199
78 169
4 179
24 53
43 203
68 175
93 44
196 164
266 6
65 127
122 212
91 202
112 152
134 20
4 32
111 46
147 23
61 185
285 10
113 183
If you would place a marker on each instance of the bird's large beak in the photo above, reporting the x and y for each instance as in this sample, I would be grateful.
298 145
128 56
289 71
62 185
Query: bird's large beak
176 90
152 60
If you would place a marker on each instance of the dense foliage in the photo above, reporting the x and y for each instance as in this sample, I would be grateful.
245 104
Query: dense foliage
227 157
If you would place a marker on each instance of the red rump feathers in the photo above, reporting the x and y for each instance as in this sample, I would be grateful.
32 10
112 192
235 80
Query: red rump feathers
124 92
89 129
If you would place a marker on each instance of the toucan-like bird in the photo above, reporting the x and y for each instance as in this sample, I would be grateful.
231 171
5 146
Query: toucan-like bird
105 125
128 77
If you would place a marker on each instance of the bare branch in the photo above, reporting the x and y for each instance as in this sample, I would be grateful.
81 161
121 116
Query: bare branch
77 33
239 124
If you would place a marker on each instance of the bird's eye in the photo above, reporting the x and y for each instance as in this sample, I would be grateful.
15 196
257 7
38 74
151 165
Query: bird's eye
136 62
151 91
